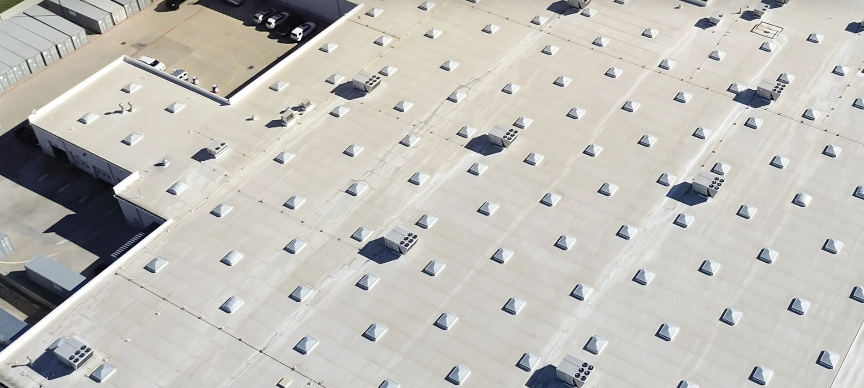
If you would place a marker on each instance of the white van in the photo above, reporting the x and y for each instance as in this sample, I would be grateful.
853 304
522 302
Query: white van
152 62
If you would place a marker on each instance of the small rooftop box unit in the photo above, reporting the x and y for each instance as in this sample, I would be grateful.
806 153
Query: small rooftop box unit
579 4
761 9
366 82
400 240
54 276
72 351
216 148
503 137
707 184
770 90
574 371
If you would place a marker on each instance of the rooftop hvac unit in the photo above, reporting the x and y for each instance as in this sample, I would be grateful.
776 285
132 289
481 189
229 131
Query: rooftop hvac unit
503 137
715 18
72 351
216 148
761 9
707 184
366 82
579 4
574 371
770 90
400 240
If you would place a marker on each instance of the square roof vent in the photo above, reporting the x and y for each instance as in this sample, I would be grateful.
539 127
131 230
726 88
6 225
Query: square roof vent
410 140
457 96
858 103
231 305
811 114
132 87
478 168
857 294
859 192
383 40
730 316
601 41
388 70
466 131
328 47
374 12
433 33
513 306
761 375
527 362
488 208
156 264
827 359
490 28
550 50
736 88
647 140
802 199
683 97
701 133
446 321
534 158
279 85
815 38
403 106
419 178
88 118
631 106
832 150
768 255
593 150
608 189
335 78
840 70
754 122
306 344
510 88
389 384
375 332
576 113
666 179
283 157
799 306
786 78
353 150
687 384
643 277
458 374
684 220
294 202
667 64
550 199
565 242
523 122
832 246
539 20
595 344
426 5
717 55
427 220
450 65
177 188
614 72
103 372
132 138
589 12
339 111
175 107
295 246
357 188
650 33
581 291
746 211
667 332
563 81
433 268
709 267
768 46
367 281
779 161
300 293
627 232
221 210
502 255
721 168
232 258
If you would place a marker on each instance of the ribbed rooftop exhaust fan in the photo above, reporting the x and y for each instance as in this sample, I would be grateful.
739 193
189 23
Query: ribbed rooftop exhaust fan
707 184
574 371
400 240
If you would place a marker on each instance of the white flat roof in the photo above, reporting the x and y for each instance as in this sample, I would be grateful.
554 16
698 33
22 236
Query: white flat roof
165 329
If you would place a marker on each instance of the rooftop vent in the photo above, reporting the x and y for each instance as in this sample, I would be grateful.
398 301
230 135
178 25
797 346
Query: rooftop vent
683 97
527 361
367 281
279 85
576 113
593 150
701 132
328 47
631 106
595 344
361 234
563 81
156 264
231 258
550 199
667 332
374 12
300 293
175 107
832 246
133 138
650 33
811 114
608 189
573 371
72 351
713 20
589 12
365 82
857 294
357 188
306 344
858 103
103 372
388 70
340 110
523 122
707 184
410 140
534 158
550 50
581 291
458 374
446 321
786 78
717 55
601 41
427 5
513 306
539 20
217 148
418 178
721 168
768 255
614 72
666 64
88 118
488 208
627 232
832 150
383 40
177 188
840 70
427 220
709 267
746 211
730 316
375 331
761 375
799 306
295 246
770 90
389 384
502 255
753 122
450 65
353 150
400 240
466 131
859 192
510 88
802 199
490 28
827 359
295 202
231 305
478 168
768 46
403 106
335 78
433 33
779 161
457 96
643 276
684 220
221 210
666 179
502 137
647 140
565 242
736 88
132 87
687 383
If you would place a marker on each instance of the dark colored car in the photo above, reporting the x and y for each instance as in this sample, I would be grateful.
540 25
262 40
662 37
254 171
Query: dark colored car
293 21
173 5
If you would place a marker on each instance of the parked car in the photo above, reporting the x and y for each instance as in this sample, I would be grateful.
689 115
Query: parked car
301 31
173 5
290 24
235 2
152 62
263 15
277 19
182 74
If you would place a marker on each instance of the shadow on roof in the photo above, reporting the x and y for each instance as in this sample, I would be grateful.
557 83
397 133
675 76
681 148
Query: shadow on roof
347 91
49 367
562 8
545 378
749 98
483 146
376 251
681 193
